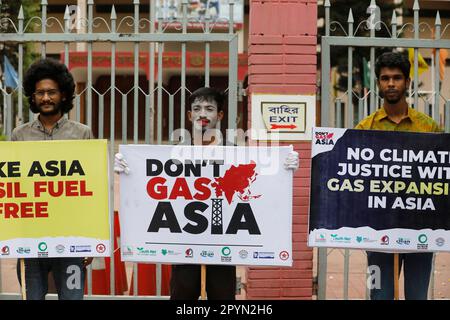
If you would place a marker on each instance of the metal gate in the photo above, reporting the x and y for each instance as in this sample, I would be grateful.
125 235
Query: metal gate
148 32
346 108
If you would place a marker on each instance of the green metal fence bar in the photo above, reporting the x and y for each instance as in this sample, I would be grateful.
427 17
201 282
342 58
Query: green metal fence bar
149 107
437 89
350 74
20 71
184 4
447 116
112 137
346 272
43 27
416 55
372 62
339 112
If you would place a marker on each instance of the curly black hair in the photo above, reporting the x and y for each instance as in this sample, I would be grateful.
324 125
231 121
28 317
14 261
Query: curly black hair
207 94
393 60
50 69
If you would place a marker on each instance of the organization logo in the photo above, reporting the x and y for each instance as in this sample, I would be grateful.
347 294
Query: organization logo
440 241
83 248
384 240
42 247
127 251
243 254
207 254
226 251
60 248
100 248
362 239
263 255
341 239
324 138
226 254
423 238
423 242
23 250
141 251
321 238
189 253
5 251
166 252
284 255
403 241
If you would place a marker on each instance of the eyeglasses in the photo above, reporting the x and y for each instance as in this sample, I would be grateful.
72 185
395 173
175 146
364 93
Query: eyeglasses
41 93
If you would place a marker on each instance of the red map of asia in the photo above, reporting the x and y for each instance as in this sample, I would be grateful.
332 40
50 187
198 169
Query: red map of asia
236 180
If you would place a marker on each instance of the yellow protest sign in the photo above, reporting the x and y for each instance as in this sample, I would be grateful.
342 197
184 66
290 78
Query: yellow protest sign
54 199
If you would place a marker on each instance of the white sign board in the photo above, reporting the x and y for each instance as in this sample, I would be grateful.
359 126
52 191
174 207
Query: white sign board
206 205
282 117
198 11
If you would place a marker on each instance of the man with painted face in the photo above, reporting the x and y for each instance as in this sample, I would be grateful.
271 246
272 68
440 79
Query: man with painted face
392 72
206 111
50 89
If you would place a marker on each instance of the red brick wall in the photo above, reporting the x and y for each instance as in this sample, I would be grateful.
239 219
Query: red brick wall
282 60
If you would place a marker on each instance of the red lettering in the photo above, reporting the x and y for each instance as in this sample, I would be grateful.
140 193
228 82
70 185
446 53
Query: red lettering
156 188
26 210
55 189
41 210
71 188
11 209
204 192
39 188
180 189
83 191
11 190
17 192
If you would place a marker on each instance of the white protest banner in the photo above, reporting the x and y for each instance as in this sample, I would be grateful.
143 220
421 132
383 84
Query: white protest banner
206 205
380 190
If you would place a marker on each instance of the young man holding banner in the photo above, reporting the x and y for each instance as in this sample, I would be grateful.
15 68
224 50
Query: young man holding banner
50 88
392 72
206 111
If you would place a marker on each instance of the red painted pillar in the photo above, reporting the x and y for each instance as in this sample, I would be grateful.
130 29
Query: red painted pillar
282 60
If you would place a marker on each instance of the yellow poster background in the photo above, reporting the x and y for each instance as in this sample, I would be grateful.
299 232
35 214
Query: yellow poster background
75 216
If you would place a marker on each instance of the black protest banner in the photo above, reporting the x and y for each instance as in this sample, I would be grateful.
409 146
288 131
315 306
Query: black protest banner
380 180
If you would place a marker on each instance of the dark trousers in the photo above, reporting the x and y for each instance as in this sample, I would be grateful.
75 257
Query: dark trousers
69 275
185 283
416 269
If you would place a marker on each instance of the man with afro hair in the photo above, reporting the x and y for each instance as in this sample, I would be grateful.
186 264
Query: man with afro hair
49 87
